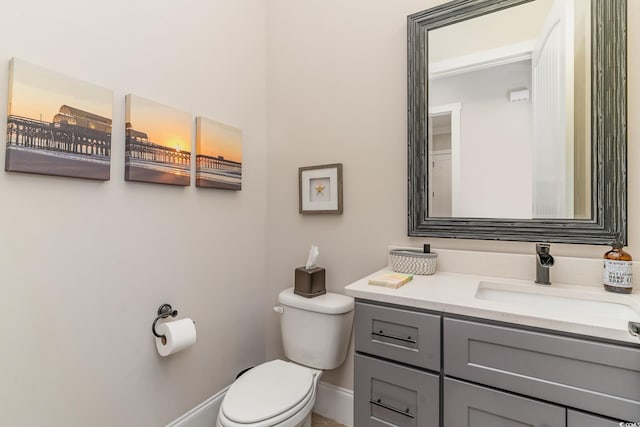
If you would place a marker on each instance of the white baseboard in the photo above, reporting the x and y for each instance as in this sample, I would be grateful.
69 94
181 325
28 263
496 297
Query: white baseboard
335 403
331 402
203 415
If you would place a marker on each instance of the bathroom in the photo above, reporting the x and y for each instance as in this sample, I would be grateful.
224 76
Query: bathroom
84 265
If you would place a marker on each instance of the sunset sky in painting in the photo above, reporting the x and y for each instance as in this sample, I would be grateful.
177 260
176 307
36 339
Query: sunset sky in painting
163 125
217 139
38 93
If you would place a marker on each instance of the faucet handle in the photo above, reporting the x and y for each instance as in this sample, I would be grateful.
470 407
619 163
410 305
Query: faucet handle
543 248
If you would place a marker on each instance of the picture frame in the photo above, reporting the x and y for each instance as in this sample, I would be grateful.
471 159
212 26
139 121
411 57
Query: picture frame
320 189
218 155
158 143
56 124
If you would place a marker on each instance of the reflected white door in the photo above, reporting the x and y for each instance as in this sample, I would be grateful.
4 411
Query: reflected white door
440 205
552 101
444 159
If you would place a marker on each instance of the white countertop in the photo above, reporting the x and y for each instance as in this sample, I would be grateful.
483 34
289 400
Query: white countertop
456 294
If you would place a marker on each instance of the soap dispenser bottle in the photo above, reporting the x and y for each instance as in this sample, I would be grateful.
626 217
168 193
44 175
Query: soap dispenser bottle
618 274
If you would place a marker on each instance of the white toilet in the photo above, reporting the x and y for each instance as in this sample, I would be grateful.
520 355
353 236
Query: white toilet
315 333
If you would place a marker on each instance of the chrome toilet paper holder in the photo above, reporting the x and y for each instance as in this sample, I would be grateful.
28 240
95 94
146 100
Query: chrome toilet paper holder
164 311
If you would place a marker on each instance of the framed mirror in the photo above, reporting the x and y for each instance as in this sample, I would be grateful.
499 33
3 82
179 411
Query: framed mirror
517 120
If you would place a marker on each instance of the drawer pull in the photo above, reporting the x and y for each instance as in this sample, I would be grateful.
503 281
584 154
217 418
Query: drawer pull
391 408
394 337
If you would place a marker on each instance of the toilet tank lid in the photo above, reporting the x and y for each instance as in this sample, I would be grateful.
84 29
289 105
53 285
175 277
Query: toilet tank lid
329 303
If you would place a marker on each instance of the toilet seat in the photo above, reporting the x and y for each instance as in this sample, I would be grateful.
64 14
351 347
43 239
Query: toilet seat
268 395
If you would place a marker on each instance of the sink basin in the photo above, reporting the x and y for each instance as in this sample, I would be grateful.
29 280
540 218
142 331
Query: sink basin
559 300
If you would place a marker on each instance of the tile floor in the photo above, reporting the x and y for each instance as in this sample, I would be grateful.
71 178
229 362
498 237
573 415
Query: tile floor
319 421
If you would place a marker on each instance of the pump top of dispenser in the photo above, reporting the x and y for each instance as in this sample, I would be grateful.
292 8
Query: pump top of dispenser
617 244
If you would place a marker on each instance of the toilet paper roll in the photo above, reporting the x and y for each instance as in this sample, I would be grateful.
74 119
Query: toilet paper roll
179 334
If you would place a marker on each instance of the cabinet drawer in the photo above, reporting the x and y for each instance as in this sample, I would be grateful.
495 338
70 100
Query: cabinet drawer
578 419
468 405
406 336
386 394
597 377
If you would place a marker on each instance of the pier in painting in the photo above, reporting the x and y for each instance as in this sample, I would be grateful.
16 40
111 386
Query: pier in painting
217 172
150 162
77 144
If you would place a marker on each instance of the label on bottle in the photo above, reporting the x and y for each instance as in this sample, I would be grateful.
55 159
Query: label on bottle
618 273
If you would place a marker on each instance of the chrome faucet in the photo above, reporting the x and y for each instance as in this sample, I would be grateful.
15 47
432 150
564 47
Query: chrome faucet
544 261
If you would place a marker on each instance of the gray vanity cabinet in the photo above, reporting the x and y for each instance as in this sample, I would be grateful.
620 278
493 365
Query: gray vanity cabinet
468 405
415 368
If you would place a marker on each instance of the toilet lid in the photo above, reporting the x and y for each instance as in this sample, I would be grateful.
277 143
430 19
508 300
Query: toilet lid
266 391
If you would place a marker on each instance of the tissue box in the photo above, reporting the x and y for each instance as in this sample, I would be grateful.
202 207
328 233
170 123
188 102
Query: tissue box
310 283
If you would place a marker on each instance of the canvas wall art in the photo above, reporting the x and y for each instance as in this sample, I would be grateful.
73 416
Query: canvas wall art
57 125
158 143
218 155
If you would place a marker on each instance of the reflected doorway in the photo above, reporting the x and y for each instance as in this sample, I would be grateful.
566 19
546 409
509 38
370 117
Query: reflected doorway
443 158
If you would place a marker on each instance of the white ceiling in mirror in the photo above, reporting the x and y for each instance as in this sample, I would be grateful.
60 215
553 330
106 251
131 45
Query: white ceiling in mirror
512 26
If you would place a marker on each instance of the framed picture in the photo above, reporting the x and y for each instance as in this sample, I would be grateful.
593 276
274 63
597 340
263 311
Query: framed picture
320 189
218 155
57 125
158 143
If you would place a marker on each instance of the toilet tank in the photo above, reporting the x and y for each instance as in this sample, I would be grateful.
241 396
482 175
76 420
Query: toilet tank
316 331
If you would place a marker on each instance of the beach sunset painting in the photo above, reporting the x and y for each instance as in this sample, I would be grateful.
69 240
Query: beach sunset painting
218 155
158 143
56 124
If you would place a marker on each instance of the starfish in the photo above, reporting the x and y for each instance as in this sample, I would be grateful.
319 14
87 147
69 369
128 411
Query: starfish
320 188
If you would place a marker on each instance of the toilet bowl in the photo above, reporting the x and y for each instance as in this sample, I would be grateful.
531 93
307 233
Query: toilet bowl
278 393
275 393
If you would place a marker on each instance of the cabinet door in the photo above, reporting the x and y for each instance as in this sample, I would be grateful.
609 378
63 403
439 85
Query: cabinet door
578 419
386 394
468 405
576 373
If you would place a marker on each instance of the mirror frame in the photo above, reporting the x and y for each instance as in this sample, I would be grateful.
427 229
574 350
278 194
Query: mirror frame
608 133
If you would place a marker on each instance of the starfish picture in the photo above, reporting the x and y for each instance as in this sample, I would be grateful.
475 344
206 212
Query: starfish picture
320 189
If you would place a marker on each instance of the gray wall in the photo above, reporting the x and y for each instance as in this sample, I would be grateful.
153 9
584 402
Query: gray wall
84 265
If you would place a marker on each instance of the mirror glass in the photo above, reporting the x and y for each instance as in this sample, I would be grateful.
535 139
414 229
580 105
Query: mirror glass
509 107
